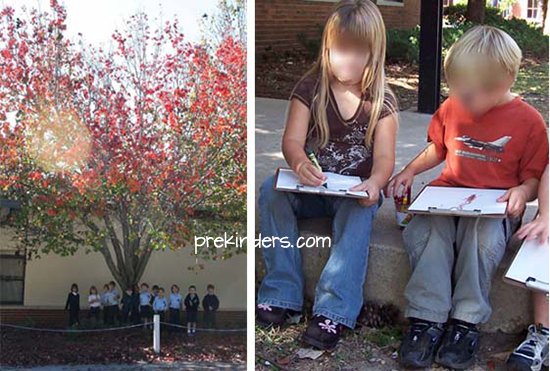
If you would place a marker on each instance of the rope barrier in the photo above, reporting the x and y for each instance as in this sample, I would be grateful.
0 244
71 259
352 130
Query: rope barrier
116 328
205 329
73 331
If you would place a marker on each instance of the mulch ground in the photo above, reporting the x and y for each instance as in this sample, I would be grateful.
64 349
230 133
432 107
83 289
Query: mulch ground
365 349
24 348
277 75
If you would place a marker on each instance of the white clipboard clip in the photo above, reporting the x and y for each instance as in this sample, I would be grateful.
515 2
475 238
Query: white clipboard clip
533 284
454 211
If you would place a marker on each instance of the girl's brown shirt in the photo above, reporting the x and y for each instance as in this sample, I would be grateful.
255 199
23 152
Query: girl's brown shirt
346 152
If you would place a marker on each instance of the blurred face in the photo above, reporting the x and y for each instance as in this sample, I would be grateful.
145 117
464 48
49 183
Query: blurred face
192 291
144 288
480 89
210 290
74 289
161 293
175 290
348 61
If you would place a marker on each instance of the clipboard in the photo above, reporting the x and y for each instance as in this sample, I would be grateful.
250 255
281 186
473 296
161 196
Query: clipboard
529 268
459 201
286 180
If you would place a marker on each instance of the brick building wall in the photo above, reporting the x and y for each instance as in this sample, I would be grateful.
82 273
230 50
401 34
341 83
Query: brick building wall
279 23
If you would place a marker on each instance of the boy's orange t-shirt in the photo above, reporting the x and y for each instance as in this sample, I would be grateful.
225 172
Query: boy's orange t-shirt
500 149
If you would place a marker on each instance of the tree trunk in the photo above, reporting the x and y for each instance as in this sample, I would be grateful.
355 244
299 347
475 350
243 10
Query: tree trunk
475 12
544 5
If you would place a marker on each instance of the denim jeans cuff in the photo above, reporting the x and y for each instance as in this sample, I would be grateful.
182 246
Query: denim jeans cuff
281 304
335 317
427 315
469 317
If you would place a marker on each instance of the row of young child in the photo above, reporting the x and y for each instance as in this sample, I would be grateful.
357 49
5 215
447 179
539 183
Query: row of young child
138 304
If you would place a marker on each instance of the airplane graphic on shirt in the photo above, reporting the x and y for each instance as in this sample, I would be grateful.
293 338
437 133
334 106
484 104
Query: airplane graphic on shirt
494 146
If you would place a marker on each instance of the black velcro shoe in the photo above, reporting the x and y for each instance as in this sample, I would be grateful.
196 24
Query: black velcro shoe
420 344
268 315
322 333
459 346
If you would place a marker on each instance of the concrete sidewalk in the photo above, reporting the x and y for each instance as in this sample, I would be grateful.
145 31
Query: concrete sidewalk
388 270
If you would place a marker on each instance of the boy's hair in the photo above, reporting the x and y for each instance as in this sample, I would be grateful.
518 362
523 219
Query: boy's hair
483 52
74 286
144 285
106 286
155 287
175 287
112 283
210 286
92 288
192 287
161 289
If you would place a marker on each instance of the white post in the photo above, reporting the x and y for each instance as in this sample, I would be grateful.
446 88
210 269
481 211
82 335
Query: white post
156 333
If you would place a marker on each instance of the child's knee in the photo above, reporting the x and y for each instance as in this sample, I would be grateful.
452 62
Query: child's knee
491 239
416 234
268 195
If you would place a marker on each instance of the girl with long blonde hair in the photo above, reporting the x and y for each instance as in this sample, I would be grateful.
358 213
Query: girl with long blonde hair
344 112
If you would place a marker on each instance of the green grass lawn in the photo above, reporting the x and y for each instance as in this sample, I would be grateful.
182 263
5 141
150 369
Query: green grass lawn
532 85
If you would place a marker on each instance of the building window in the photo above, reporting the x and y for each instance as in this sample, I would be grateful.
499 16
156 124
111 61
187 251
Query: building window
447 3
390 2
532 9
12 278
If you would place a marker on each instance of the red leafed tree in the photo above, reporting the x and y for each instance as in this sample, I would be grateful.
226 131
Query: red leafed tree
125 151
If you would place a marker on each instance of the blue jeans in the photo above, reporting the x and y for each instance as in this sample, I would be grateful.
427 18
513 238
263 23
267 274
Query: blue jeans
339 292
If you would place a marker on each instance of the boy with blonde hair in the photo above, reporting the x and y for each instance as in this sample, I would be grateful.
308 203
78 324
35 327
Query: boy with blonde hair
488 138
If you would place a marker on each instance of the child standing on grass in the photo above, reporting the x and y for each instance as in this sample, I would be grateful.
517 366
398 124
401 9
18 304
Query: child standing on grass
73 304
191 309
154 293
112 303
345 112
94 300
160 305
134 303
532 353
145 303
175 305
105 303
488 138
210 305
127 304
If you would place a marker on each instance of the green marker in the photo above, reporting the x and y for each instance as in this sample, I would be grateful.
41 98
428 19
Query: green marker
313 159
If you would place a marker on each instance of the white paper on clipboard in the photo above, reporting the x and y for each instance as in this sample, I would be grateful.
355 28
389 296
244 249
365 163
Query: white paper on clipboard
530 266
336 184
455 199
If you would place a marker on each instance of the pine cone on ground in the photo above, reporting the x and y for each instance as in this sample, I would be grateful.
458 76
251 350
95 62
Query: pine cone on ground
378 315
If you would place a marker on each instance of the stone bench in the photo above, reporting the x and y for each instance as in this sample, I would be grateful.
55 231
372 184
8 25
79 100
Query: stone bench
389 271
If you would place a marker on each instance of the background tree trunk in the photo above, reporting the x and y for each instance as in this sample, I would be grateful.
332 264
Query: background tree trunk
544 6
475 12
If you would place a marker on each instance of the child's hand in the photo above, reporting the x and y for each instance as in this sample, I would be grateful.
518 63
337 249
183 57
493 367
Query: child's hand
371 188
517 198
309 175
405 178
538 228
